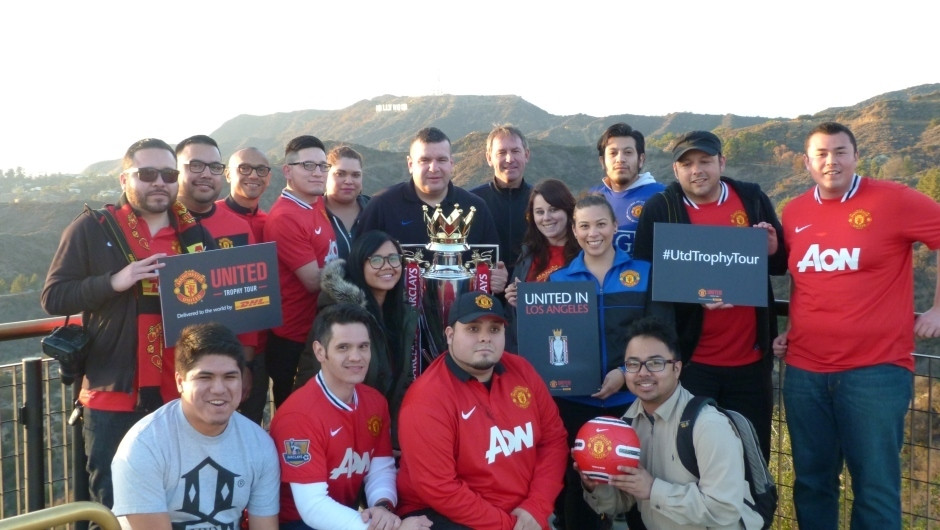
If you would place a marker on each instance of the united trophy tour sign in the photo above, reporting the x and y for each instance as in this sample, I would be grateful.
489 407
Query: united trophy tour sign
433 286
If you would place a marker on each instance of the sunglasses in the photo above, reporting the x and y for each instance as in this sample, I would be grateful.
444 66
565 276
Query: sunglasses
150 174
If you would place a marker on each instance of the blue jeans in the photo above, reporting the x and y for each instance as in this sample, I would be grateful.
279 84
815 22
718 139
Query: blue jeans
103 431
855 416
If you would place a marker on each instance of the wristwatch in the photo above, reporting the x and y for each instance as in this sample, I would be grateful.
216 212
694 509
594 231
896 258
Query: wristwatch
385 503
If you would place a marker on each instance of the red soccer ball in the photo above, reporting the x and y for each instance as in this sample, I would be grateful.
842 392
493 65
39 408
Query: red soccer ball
603 444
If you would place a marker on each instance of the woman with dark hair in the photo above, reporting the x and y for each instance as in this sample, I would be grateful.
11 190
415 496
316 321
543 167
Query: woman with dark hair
622 296
372 277
548 244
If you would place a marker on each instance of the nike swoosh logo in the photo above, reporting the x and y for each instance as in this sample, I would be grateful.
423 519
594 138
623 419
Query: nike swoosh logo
406 223
466 415
317 231
801 228
601 430
333 433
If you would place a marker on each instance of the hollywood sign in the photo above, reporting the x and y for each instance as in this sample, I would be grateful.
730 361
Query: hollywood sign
391 107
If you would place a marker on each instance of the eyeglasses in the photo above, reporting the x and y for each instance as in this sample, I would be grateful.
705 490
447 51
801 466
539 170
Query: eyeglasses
310 166
656 364
245 169
377 262
150 174
198 166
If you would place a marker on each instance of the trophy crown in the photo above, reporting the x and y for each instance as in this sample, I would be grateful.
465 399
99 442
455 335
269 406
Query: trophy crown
450 229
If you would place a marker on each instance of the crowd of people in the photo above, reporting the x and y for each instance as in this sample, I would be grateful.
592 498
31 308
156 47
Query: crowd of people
363 435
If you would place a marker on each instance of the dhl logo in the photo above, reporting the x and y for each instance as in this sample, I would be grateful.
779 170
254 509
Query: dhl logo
252 302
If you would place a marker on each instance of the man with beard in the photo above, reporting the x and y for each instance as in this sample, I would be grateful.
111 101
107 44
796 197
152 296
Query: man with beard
199 162
106 267
482 444
622 153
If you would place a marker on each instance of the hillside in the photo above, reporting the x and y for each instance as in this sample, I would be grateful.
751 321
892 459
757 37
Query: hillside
898 135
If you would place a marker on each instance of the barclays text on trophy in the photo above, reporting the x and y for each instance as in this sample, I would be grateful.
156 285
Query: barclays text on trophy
432 286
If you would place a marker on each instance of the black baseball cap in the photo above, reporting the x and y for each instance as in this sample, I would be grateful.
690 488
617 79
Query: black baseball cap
696 140
473 305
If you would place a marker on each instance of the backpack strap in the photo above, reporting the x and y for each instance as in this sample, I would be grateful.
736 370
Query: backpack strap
684 445
107 221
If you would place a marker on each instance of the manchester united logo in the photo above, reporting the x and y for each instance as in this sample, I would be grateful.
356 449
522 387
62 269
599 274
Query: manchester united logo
701 293
739 218
190 287
599 446
521 397
630 278
483 301
860 219
226 243
635 210
374 425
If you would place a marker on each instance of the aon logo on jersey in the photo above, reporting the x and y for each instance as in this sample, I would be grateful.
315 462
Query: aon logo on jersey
829 260
506 443
353 462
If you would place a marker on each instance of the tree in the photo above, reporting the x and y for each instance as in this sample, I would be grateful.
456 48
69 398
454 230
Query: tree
19 284
930 184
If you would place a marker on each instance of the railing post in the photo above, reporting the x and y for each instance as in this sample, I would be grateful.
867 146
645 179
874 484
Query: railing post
31 418
79 471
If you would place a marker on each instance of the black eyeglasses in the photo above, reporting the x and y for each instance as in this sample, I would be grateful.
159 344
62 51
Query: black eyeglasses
656 364
377 262
198 166
245 169
150 174
310 166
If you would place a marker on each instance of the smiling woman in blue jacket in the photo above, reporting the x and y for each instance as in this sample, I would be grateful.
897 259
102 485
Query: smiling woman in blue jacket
622 297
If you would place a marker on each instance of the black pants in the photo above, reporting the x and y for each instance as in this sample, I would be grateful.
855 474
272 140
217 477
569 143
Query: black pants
280 358
571 511
746 389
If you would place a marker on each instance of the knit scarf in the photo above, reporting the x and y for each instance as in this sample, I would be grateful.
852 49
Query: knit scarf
150 343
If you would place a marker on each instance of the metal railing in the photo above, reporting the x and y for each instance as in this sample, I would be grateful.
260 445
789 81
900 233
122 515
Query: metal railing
920 455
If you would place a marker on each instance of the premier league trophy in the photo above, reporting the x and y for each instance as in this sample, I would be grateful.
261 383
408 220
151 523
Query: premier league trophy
433 286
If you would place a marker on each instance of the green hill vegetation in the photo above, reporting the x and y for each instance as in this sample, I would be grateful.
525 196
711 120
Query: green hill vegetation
898 135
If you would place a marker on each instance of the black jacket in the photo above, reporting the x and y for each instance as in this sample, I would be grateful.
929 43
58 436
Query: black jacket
508 207
667 207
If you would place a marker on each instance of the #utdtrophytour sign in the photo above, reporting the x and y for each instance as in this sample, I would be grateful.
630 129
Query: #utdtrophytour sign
703 264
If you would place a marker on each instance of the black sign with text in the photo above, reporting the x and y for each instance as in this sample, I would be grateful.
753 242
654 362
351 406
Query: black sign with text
703 264
558 332
235 286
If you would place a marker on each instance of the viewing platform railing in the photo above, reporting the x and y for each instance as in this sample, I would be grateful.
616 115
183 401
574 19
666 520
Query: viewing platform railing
42 458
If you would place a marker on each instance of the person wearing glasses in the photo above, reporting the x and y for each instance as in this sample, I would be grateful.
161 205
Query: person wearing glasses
106 267
199 162
371 277
344 199
622 286
666 494
299 224
249 174
397 210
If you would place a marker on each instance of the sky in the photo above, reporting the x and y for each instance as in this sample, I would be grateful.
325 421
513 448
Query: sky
84 80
